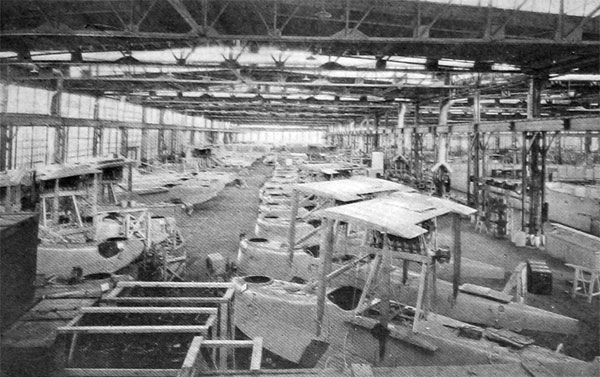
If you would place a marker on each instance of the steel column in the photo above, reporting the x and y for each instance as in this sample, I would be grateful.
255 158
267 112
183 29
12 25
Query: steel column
98 135
6 146
534 151
60 144
124 141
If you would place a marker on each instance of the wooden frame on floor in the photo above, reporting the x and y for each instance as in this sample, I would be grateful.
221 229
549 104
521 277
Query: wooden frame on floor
224 303
193 364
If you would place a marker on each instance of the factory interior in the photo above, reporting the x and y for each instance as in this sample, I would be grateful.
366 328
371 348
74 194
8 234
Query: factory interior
280 188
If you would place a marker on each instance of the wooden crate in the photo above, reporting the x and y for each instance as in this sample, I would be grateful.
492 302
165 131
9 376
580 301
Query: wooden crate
100 337
199 294
193 364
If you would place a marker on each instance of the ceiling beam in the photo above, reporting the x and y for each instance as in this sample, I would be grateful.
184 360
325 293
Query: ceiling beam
34 120
185 14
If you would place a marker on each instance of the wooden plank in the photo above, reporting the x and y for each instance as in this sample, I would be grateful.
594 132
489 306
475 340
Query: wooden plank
401 255
114 293
139 309
457 254
63 193
256 360
167 284
83 372
320 205
563 369
174 300
229 294
72 349
210 323
420 296
76 208
292 228
374 268
74 320
386 282
308 235
223 333
192 358
513 281
133 329
214 343
55 202
339 271
44 213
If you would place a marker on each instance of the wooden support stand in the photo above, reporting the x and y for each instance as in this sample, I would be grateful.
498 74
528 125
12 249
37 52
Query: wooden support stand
586 279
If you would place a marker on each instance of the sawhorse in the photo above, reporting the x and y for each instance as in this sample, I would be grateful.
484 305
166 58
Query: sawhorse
588 279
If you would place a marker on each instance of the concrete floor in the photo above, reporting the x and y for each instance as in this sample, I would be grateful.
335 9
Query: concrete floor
215 226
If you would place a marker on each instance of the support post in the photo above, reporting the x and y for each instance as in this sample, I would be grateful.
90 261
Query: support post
95 180
386 280
55 201
97 141
6 146
441 145
8 199
161 142
98 131
523 179
124 141
544 152
60 138
587 148
161 134
5 91
535 186
325 267
292 230
417 145
60 144
174 141
145 138
5 130
476 155
535 152
477 147
457 253
376 134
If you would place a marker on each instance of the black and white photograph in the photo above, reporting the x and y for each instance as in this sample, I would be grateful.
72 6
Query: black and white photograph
299 188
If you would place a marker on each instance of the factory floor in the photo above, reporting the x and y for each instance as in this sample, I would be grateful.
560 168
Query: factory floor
215 227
